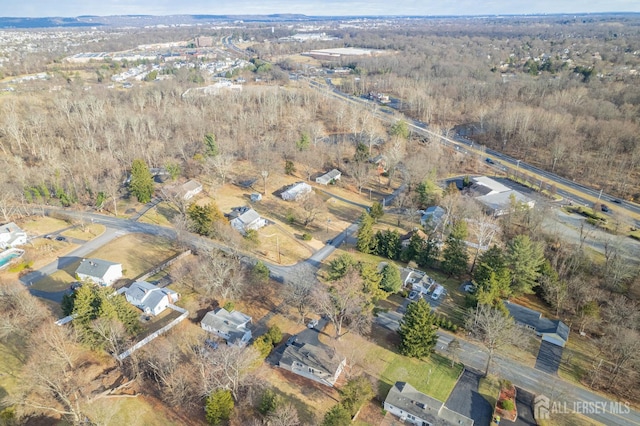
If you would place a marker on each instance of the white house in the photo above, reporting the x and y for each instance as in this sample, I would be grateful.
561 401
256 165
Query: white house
328 177
190 189
231 326
313 360
12 236
414 407
248 219
150 298
101 272
296 191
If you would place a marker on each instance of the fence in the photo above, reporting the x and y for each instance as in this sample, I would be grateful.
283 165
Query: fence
152 336
159 268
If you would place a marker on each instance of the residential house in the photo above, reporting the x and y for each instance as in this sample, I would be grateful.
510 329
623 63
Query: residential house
231 326
190 189
244 219
329 177
12 236
101 272
418 280
314 360
406 238
433 217
552 331
149 298
414 407
296 191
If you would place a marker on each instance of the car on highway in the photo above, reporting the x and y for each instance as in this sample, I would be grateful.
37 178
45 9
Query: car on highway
604 208
617 201
490 161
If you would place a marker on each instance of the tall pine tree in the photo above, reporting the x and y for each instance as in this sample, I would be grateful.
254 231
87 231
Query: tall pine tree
366 238
492 277
417 330
455 255
141 184
524 258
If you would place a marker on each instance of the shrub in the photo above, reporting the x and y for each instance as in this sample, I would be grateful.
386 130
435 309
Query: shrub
263 345
229 306
403 293
219 406
306 237
290 217
268 402
507 405
275 335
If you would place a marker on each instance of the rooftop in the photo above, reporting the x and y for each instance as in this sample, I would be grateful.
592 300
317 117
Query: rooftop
94 267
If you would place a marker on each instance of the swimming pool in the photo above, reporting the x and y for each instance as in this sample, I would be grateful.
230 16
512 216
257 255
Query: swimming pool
8 255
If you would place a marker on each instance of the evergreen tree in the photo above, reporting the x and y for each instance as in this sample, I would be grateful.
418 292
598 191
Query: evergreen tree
371 282
339 266
202 218
304 142
338 415
355 393
427 192
289 167
492 277
366 238
210 145
260 272
376 211
391 279
455 255
84 305
219 406
411 252
524 258
388 244
429 253
417 330
400 129
362 153
269 402
141 183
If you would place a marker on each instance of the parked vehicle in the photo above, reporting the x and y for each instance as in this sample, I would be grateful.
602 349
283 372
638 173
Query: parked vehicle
313 323
437 292
413 295
60 238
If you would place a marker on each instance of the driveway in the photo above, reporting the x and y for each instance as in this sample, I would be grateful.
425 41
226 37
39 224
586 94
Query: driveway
524 404
549 357
466 400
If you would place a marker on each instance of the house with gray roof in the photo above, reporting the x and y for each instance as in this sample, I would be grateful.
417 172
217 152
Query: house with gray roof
552 331
12 236
231 326
329 177
414 407
497 199
149 298
246 219
296 191
433 216
98 271
313 360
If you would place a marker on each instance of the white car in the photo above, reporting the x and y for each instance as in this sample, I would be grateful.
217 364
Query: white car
313 323
413 295
470 288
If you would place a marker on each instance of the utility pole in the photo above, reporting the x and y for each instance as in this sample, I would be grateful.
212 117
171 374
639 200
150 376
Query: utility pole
600 194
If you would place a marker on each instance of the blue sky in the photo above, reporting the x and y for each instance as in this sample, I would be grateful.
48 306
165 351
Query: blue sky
39 8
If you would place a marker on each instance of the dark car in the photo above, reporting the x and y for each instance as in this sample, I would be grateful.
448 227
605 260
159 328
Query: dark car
490 161
60 238
617 201
604 208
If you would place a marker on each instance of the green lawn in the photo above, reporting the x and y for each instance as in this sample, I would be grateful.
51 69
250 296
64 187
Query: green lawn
489 388
127 411
433 376
10 353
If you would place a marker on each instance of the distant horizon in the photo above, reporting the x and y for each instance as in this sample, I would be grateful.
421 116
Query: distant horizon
313 8
611 12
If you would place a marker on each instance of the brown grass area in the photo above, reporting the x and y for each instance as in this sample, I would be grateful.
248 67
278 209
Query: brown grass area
311 399
137 252
88 232
38 225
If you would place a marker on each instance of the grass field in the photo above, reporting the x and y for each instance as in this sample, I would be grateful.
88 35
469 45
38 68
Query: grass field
11 351
130 411
88 233
39 225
